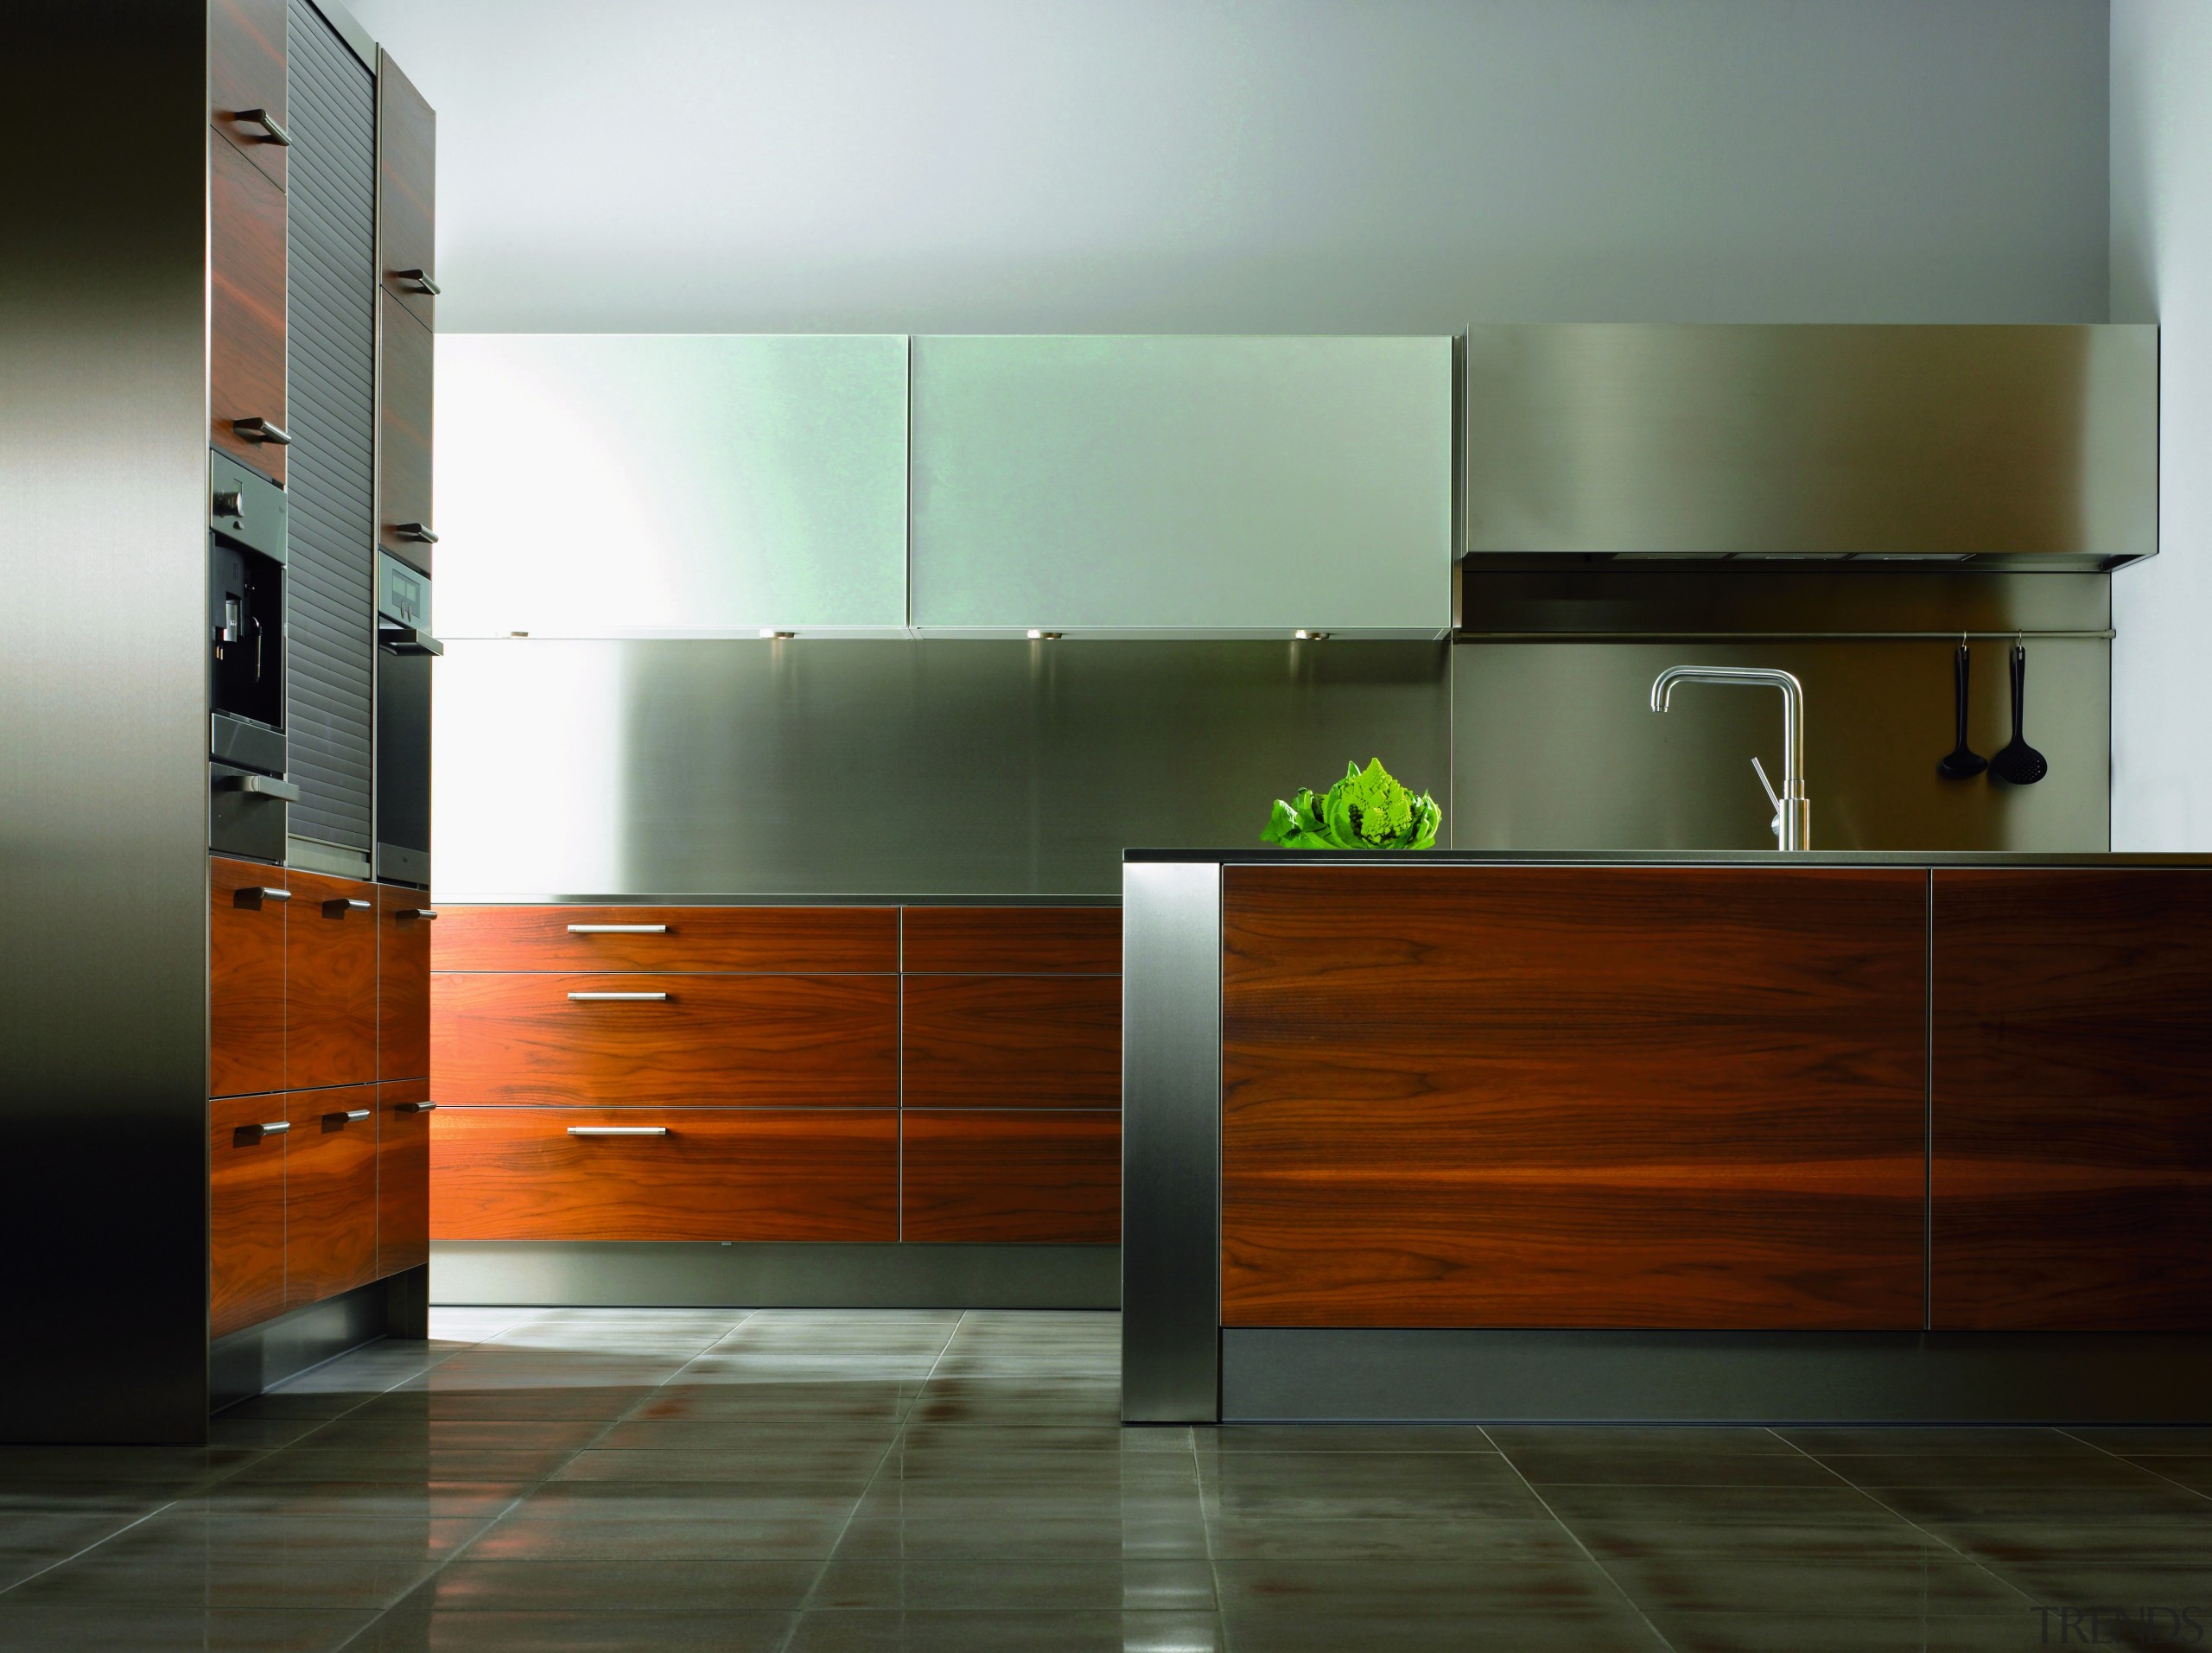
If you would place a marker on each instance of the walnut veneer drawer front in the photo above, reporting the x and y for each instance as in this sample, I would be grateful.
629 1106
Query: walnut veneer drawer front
793 940
759 1041
673 1174
1014 940
1019 1176
1013 1041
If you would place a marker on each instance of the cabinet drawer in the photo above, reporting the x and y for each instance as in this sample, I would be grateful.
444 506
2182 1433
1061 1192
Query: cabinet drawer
1014 940
403 984
818 1041
403 1176
246 70
330 1192
731 1174
794 940
245 1212
246 318
1037 1177
1013 1041
246 978
330 968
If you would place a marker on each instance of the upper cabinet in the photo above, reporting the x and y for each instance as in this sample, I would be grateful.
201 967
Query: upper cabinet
246 80
1182 484
2018 443
671 485
407 151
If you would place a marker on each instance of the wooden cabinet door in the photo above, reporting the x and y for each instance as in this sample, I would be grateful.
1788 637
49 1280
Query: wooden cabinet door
407 197
246 910
403 984
330 957
246 274
1015 1176
1012 940
330 1192
403 421
403 1176
1012 1042
525 1173
2071 1180
826 1042
246 71
1678 1097
245 1212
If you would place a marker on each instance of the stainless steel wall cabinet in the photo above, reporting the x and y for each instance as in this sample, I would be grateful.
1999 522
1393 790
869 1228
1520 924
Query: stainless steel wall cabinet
671 485
1215 486
2018 443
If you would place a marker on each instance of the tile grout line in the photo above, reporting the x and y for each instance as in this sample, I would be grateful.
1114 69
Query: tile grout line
1575 1538
1879 1502
539 1485
897 1435
207 1484
2134 1464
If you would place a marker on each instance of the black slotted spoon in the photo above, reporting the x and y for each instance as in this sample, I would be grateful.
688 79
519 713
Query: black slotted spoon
2019 763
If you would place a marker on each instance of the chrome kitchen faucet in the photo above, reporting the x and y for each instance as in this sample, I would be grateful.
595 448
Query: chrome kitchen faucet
1793 810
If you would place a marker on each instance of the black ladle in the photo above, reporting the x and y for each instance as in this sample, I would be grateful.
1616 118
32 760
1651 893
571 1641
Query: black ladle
2019 763
1963 762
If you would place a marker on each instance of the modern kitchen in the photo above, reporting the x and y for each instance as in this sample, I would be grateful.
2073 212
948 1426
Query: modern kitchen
1111 825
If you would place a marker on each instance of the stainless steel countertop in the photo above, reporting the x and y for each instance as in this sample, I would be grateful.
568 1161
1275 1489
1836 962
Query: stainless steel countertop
1269 857
723 898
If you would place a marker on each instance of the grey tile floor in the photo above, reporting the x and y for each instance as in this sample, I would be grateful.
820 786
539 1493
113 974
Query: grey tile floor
804 1482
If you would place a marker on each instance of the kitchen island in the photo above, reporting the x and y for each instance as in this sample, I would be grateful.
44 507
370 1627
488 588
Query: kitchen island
1760 1137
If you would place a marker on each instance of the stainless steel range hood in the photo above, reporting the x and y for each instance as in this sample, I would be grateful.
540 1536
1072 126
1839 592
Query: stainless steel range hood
2023 445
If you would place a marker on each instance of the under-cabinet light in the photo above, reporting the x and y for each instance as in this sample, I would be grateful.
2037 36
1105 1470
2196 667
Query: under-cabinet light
1036 636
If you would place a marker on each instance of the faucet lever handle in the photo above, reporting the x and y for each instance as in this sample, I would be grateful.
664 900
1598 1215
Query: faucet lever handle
1767 787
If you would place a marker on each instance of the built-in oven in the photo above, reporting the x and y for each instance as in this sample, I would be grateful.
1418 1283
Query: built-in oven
246 752
405 651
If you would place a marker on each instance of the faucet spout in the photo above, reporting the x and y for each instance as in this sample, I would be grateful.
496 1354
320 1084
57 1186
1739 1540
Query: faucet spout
1793 810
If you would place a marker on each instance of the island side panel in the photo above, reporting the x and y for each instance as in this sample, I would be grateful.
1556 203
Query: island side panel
1527 1096
2072 1170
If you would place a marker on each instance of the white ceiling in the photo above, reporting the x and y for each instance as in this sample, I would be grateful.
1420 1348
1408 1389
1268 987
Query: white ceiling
1256 165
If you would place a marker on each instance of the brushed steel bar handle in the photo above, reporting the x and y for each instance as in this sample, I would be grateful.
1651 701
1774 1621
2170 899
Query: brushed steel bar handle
267 123
617 1130
259 893
275 1127
420 279
425 914
618 929
418 532
260 430
350 1112
417 1108
340 907
259 786
617 998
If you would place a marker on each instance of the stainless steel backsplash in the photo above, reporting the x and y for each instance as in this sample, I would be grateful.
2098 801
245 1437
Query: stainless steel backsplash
819 767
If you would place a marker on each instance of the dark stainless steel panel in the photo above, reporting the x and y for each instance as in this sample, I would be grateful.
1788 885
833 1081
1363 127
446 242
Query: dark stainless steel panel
1714 1377
1171 1143
246 505
241 822
613 1274
1555 747
1645 440
248 745
330 363
245 1363
104 503
895 768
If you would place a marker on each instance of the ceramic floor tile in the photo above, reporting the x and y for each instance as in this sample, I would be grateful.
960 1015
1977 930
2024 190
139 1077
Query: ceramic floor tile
1470 1585
2010 1632
1339 1485
1637 1466
646 1534
1709 1440
1006 1631
1618 1629
1047 1536
418 1629
2138 1440
1140 1584
1931 1582
54 1627
629 1584
1832 1441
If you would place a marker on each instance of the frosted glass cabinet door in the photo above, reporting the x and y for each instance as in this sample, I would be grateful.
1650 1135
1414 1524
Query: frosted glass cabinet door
626 485
1218 486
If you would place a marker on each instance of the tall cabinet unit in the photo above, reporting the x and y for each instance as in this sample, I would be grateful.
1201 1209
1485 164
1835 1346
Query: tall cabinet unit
209 1054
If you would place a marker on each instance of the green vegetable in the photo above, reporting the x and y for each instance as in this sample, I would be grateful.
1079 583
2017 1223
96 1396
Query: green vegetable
1367 809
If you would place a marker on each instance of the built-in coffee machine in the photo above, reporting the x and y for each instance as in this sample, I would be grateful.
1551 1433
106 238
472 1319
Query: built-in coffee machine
245 663
405 649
